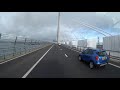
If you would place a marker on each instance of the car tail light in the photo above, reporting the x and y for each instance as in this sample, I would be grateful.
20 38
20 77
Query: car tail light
96 57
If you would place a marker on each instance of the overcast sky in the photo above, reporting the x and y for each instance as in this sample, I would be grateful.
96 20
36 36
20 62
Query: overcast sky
43 25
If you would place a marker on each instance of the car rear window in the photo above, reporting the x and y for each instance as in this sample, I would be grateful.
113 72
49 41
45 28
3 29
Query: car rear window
102 53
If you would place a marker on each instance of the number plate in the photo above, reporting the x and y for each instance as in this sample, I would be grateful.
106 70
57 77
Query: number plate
103 58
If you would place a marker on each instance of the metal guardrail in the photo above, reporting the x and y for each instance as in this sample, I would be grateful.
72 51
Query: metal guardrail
12 52
114 57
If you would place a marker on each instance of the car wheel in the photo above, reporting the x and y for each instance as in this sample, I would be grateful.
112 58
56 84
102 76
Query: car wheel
104 66
80 59
91 65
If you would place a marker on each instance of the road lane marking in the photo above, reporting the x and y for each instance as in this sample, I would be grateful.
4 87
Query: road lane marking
28 72
66 55
22 55
114 65
60 49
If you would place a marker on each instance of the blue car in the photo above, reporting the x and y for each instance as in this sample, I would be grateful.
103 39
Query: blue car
95 57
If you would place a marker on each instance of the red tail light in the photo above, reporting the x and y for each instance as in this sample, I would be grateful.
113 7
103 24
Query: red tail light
96 57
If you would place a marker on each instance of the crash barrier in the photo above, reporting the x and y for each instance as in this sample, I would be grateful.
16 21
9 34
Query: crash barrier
12 52
114 54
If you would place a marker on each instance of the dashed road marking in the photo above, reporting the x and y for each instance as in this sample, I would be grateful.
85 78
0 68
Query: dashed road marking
66 55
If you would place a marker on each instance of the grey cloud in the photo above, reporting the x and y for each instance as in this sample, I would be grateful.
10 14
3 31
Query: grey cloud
43 25
88 17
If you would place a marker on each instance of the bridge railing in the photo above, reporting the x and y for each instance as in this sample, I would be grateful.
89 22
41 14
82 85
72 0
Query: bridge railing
9 51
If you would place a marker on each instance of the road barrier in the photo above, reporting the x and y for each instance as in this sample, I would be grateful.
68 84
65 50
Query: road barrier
8 52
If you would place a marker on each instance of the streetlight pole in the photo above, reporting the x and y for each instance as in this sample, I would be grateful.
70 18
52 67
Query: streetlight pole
0 35
58 28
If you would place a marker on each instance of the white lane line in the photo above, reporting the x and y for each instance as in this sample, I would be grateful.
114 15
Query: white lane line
21 55
114 65
66 55
28 72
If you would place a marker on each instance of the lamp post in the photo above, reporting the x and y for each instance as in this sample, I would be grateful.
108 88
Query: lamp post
58 28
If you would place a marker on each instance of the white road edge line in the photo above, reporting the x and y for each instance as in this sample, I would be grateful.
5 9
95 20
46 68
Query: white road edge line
114 65
21 55
66 55
28 72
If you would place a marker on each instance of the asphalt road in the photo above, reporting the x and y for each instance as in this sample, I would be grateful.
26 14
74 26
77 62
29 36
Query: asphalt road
54 62
18 67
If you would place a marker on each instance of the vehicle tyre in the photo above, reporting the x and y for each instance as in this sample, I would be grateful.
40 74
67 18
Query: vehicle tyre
91 65
104 66
80 59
